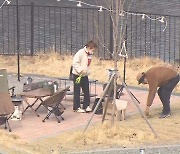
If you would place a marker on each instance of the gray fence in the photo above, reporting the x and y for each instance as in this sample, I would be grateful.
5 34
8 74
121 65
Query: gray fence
67 29
153 38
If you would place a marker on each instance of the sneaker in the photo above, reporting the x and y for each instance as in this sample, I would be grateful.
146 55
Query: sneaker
79 110
88 109
165 115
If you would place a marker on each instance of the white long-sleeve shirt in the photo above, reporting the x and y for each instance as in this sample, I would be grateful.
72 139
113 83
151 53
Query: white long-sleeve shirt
81 62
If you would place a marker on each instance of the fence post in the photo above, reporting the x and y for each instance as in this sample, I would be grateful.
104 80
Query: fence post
18 38
125 58
111 38
32 28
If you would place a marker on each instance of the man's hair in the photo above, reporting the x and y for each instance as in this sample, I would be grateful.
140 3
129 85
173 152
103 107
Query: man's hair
91 44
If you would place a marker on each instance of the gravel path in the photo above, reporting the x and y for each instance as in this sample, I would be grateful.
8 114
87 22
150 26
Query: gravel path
169 149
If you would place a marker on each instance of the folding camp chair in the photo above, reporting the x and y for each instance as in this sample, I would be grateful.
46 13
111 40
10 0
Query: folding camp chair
53 104
6 105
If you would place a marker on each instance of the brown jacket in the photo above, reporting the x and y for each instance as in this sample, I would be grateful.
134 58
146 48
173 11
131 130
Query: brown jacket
157 77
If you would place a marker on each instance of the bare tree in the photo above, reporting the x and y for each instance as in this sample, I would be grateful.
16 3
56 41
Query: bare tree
118 26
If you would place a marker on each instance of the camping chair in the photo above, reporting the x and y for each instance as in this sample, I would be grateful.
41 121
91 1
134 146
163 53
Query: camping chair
53 104
6 105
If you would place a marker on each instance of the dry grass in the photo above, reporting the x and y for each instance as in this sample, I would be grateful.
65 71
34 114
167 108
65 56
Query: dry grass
134 132
14 145
58 66
130 133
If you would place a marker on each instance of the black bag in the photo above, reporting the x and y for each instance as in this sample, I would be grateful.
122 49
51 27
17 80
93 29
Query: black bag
58 112
3 120
70 73
100 107
119 89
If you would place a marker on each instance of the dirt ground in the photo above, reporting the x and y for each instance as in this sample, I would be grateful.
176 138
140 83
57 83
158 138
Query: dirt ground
131 133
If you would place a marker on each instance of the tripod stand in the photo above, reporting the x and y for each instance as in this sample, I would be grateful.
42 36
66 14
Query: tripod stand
107 91
125 56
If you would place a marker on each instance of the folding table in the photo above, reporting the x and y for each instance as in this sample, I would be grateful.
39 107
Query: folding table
38 94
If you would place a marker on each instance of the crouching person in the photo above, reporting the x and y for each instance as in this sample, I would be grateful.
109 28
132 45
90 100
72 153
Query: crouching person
166 79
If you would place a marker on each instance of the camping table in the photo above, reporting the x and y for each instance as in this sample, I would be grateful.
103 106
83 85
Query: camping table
38 94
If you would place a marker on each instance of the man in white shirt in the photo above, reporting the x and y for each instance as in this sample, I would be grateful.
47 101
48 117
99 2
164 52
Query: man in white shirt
81 70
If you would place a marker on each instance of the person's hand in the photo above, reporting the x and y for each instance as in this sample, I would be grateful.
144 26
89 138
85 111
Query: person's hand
147 113
83 72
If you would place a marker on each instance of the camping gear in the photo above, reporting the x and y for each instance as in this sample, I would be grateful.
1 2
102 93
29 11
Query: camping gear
53 104
70 73
28 86
17 114
100 107
6 105
18 103
51 86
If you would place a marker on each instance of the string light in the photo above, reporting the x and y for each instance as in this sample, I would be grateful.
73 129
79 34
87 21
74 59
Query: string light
122 13
162 19
89 4
5 1
100 9
8 2
79 4
143 16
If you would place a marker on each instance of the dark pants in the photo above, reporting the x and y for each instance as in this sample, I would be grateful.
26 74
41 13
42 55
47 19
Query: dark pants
164 93
84 84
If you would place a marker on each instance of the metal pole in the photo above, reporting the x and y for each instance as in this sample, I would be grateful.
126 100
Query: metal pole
124 77
101 98
32 28
134 101
111 38
18 39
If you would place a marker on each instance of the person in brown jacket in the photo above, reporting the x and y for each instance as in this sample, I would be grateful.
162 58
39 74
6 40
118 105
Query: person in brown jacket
166 79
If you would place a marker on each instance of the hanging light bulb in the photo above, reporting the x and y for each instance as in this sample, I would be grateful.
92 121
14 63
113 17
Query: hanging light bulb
79 4
58 0
121 13
8 2
143 16
162 19
100 9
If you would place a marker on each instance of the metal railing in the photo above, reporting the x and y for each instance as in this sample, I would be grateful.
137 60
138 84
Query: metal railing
66 29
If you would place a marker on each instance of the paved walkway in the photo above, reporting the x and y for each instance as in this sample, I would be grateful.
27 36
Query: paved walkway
32 128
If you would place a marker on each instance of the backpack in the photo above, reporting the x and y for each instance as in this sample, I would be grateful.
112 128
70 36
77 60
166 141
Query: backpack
3 120
119 89
100 107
